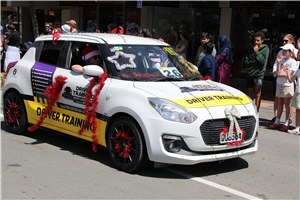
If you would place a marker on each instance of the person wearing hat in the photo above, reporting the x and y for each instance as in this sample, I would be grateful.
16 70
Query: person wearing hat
91 56
65 28
73 26
287 39
255 62
183 43
284 89
12 42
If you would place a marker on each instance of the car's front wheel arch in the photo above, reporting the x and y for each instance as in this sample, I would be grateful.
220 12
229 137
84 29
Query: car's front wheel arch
125 126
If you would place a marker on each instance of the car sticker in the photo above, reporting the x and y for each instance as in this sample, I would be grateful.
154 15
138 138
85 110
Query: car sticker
41 78
212 100
171 72
65 118
76 94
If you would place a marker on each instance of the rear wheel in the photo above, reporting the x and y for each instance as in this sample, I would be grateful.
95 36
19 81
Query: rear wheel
14 112
125 144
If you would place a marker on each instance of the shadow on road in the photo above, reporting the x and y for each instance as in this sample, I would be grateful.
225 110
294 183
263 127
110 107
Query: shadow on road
84 149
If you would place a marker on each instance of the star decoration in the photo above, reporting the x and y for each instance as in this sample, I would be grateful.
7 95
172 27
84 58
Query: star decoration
119 54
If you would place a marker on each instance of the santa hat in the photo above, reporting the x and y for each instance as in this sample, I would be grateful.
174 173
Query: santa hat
89 52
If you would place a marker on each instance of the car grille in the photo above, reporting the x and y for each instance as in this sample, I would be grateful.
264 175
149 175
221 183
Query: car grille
210 129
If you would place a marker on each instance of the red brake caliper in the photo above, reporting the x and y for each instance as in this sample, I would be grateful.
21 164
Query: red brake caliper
13 106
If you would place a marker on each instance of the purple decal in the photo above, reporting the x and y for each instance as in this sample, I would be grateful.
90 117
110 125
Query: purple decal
41 77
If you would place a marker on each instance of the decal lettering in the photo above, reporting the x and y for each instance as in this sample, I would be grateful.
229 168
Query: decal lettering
212 100
63 118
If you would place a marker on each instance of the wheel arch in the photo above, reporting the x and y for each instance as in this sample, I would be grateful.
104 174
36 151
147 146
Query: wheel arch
123 114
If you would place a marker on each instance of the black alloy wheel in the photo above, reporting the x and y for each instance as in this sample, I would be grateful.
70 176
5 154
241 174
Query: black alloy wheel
14 113
127 149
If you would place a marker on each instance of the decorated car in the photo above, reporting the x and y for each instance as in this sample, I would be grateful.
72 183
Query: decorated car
144 103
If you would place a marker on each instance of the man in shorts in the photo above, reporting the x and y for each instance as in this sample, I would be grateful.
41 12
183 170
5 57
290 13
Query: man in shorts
256 62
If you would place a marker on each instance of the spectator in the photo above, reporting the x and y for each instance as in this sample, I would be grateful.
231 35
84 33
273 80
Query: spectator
183 43
12 46
145 33
134 31
47 30
1 47
295 101
255 63
204 38
65 28
56 26
225 60
73 26
111 27
208 64
284 89
287 39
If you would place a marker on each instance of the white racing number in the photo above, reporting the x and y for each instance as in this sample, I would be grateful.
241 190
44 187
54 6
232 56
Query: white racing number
171 72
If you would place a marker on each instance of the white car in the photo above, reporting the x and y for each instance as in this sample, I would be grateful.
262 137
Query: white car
147 111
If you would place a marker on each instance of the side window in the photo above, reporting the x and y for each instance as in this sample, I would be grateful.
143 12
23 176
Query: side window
55 54
77 58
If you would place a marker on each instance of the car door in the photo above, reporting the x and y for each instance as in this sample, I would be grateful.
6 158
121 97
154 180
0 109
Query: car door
67 115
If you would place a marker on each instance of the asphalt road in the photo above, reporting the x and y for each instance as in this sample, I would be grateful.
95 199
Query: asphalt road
48 165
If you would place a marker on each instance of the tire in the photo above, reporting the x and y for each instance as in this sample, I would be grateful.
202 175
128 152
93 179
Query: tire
126 147
14 112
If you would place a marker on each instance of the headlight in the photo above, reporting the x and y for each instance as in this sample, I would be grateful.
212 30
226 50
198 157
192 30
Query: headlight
172 111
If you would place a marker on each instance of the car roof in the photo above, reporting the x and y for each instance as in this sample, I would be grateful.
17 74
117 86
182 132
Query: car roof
103 38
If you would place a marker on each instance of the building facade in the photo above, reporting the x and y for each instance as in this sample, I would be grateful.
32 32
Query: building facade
237 19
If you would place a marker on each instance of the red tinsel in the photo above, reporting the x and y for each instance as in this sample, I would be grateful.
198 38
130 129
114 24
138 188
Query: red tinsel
120 31
52 93
90 110
238 143
123 149
56 36
186 74
206 78
13 119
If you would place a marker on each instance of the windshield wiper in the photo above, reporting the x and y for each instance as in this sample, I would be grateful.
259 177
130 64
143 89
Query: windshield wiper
169 79
194 78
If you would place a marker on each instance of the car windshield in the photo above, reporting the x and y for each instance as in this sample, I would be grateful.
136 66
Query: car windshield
150 63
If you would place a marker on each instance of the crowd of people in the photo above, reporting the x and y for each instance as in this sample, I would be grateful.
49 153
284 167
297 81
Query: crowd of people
211 61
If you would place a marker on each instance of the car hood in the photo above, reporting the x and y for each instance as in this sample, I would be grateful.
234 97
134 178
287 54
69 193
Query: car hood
195 94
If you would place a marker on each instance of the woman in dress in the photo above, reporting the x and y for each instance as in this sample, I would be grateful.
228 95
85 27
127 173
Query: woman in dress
13 46
224 59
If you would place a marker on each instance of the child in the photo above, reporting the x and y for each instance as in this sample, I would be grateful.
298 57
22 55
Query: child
295 102
285 88
255 62
208 64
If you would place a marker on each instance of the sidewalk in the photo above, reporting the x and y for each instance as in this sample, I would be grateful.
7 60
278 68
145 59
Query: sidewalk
267 94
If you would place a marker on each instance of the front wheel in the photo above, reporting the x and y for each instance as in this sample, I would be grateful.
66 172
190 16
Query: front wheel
125 145
14 113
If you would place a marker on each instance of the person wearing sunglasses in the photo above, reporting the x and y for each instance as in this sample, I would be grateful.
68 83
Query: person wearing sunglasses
91 56
287 39
47 30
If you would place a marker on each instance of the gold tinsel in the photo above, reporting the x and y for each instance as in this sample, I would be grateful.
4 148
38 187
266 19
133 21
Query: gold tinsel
187 65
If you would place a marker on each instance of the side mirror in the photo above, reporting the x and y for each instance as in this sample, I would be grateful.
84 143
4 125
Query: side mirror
92 70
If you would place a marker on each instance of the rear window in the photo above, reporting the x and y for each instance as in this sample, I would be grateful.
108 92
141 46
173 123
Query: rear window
54 54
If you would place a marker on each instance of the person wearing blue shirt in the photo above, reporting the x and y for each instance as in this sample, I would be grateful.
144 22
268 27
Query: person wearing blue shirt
208 64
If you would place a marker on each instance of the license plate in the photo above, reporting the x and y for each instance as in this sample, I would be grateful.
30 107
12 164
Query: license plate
224 138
